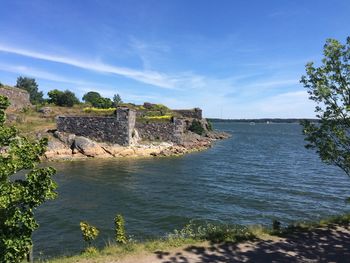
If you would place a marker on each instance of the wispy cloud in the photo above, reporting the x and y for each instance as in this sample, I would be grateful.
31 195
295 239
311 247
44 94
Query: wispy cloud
32 72
148 77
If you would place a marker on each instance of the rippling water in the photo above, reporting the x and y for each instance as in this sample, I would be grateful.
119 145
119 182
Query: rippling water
262 173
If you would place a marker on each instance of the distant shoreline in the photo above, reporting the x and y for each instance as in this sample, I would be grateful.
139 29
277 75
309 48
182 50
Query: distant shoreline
263 120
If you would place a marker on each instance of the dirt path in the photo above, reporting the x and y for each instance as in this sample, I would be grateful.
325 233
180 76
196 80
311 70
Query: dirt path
330 244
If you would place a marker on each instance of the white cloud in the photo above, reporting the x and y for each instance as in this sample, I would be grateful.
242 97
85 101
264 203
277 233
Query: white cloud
148 77
32 72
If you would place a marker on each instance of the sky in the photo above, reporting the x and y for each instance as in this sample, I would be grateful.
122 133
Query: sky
232 58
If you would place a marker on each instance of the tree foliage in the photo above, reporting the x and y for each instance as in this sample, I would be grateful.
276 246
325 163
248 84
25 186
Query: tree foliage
62 98
91 97
30 85
329 86
97 101
20 196
117 100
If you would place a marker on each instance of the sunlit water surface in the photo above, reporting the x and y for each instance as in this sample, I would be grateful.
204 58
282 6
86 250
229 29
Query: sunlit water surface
262 172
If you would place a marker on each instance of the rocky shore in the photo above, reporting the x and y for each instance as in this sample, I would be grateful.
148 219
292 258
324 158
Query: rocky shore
65 146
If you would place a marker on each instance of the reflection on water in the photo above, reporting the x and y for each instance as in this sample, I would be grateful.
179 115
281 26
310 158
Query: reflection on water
261 173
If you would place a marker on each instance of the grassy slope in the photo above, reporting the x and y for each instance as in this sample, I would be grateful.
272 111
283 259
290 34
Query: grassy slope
31 122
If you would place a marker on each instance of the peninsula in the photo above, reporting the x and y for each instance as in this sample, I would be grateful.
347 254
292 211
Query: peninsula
127 130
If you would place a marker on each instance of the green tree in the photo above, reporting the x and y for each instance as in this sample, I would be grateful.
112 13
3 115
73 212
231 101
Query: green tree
97 101
62 98
117 100
20 197
30 85
329 86
91 97
103 103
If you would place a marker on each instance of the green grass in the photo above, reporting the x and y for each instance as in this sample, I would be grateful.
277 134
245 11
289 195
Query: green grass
195 234
309 226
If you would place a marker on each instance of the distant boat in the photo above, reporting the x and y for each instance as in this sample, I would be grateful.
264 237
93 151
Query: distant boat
267 122
251 123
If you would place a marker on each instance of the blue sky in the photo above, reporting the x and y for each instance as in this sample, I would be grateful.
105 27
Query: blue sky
234 59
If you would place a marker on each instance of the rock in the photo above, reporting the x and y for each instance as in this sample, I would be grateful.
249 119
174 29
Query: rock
46 111
145 151
135 137
64 137
127 152
112 149
10 117
57 150
88 147
148 105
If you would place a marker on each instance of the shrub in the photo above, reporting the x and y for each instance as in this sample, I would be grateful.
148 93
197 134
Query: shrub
164 118
89 233
119 224
214 232
197 127
98 111
62 98
209 125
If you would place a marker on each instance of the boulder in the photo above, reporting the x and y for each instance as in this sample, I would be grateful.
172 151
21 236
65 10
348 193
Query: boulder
66 138
127 152
46 111
57 150
88 147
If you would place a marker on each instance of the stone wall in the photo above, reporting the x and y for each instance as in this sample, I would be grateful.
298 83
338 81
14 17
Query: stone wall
195 113
163 131
19 98
117 129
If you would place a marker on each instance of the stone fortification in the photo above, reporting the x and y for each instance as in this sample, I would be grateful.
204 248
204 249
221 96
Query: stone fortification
19 98
120 129
171 131
195 113
116 129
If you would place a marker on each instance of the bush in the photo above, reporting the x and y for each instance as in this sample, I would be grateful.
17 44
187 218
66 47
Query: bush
214 232
103 103
197 127
62 98
98 111
209 125
120 235
160 118
89 232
